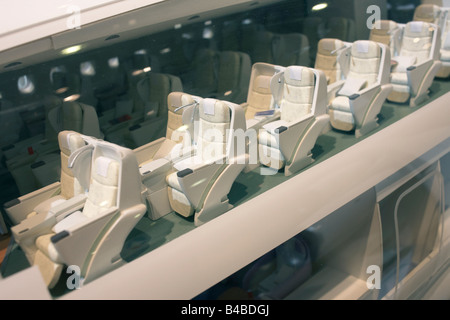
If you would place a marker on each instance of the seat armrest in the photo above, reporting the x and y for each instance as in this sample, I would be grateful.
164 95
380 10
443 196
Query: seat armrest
365 92
33 227
18 209
181 152
67 207
259 121
195 179
148 150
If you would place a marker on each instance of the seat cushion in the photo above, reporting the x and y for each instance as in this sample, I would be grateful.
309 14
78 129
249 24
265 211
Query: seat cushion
417 40
298 92
103 188
341 103
260 96
399 78
365 61
326 58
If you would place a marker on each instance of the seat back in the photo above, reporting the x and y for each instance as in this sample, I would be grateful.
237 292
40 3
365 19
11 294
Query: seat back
313 28
69 141
214 125
298 92
427 12
176 100
445 42
257 43
259 97
233 75
341 28
75 116
364 63
203 78
103 188
72 116
386 32
290 49
328 50
417 41
153 91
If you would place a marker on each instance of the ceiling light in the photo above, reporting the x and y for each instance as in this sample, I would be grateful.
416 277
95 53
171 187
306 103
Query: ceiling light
71 50
319 6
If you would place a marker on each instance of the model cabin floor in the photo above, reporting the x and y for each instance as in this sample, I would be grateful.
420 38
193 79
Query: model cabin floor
149 235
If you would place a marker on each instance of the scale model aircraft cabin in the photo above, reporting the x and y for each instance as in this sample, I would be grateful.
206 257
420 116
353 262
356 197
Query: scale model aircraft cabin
243 150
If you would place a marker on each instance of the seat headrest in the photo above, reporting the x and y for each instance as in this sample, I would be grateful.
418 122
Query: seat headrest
426 13
326 46
178 99
298 76
213 110
418 29
70 141
106 171
366 49
383 27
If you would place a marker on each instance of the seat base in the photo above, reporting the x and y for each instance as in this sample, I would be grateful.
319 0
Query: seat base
399 97
444 72
298 165
366 128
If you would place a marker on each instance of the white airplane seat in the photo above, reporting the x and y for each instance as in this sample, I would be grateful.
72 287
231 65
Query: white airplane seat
201 183
328 51
300 92
417 63
356 101
259 97
387 32
98 229
444 71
